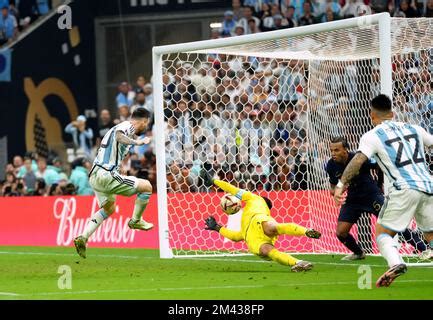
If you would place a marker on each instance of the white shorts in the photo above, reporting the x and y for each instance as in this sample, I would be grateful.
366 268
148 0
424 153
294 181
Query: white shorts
107 184
403 205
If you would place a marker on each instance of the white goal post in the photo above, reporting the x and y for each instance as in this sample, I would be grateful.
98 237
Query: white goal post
260 109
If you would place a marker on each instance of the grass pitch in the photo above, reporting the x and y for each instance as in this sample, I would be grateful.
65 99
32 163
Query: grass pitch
33 273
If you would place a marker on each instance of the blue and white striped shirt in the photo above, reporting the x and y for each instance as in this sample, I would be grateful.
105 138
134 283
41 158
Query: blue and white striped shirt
399 150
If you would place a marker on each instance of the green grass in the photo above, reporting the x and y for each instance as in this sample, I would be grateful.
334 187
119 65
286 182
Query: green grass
32 273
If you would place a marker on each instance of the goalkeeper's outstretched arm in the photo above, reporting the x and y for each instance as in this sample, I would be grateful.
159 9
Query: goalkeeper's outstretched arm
227 187
211 224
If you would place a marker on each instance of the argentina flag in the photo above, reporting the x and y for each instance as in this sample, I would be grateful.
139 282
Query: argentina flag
5 65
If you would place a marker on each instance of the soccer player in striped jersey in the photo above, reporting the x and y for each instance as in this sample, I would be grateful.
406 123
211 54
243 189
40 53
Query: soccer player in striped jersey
399 150
107 181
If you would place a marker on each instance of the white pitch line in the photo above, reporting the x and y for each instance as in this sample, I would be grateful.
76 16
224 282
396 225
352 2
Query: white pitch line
190 258
72 254
319 263
9 294
303 284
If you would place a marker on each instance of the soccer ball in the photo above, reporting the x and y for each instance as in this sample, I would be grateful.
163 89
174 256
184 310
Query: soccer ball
230 204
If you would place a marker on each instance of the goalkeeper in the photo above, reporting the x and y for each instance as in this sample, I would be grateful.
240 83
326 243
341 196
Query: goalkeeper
258 228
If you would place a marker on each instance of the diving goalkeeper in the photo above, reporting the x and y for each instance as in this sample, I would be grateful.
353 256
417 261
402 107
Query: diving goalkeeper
259 230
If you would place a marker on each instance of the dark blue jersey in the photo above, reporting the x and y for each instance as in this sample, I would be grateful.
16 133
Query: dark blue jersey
362 187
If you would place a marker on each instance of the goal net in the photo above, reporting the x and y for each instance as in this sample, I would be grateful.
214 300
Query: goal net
260 110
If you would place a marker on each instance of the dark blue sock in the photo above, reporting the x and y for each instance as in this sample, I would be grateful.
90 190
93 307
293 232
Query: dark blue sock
350 243
413 238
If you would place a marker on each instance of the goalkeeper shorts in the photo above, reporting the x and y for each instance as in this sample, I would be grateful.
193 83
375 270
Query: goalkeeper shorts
255 236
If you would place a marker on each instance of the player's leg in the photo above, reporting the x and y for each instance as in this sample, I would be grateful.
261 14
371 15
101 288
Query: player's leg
107 209
129 186
424 220
144 191
395 216
348 216
272 228
268 250
413 238
388 249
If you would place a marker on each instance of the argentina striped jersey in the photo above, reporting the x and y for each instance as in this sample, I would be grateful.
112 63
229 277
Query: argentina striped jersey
111 152
399 150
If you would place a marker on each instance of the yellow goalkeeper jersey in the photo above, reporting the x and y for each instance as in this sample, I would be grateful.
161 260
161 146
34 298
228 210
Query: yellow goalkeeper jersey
254 204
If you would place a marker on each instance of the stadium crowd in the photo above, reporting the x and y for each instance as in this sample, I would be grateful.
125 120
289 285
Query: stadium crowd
245 118
17 15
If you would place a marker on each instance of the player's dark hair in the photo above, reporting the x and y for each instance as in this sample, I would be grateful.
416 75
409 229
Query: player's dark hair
268 202
342 140
140 113
382 103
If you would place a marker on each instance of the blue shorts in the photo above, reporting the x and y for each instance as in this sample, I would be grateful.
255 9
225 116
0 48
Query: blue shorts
351 212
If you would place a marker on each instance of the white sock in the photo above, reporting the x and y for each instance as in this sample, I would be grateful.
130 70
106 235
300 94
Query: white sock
388 249
140 205
93 224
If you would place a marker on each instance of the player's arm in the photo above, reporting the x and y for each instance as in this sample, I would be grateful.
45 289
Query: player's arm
333 180
211 224
332 189
352 169
239 193
124 139
227 187
426 137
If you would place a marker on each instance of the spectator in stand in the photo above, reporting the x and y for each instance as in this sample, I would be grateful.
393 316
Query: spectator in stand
8 26
428 12
237 10
29 176
141 81
17 163
351 8
124 100
307 18
48 175
239 30
290 17
148 93
409 9
253 27
40 188
140 101
105 124
248 14
228 23
57 166
13 10
44 6
80 176
378 6
81 135
29 12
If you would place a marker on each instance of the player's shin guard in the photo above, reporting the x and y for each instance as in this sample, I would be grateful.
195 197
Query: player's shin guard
282 258
95 221
291 229
140 205
388 249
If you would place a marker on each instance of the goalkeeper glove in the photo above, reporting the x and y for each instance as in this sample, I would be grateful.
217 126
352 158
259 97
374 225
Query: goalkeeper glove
211 224
311 233
207 178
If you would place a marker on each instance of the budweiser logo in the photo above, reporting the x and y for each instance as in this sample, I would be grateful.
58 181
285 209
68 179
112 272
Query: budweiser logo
113 230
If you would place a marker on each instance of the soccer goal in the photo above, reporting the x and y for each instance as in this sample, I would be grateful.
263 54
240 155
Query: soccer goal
259 111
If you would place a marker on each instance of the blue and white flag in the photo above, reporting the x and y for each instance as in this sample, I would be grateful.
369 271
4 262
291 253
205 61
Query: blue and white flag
5 65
